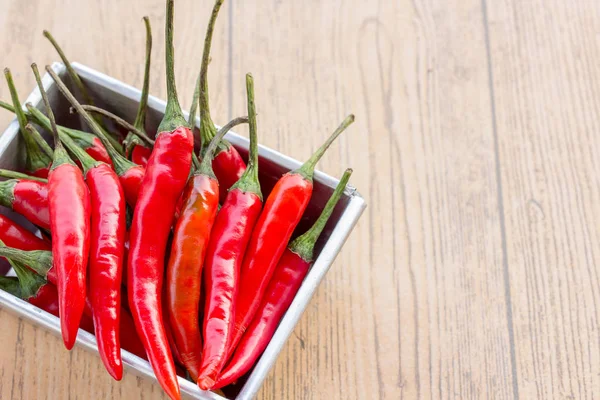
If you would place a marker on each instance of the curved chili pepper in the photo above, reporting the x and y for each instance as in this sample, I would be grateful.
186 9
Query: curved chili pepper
130 175
39 260
28 198
227 245
184 271
36 291
88 142
228 165
106 256
282 212
69 204
36 162
82 89
287 278
166 176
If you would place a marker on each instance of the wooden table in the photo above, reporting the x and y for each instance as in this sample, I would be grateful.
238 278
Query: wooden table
474 271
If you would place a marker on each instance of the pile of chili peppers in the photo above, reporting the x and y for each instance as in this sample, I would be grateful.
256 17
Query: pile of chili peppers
172 254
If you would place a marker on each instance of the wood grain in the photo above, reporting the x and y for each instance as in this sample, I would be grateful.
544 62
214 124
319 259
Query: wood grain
473 272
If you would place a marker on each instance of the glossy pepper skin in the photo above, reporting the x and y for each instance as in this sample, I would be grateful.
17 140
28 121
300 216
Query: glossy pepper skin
14 235
191 234
283 286
69 204
166 175
106 262
140 155
282 212
226 249
28 198
131 180
229 167
280 293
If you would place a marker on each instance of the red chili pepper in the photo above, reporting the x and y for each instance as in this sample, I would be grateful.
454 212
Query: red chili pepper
287 278
27 197
106 255
36 162
69 204
35 290
166 175
14 235
140 155
228 242
184 271
228 165
39 260
88 142
130 175
282 212
82 89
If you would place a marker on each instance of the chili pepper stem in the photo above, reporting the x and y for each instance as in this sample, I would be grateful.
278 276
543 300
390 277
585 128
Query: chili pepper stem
206 163
121 164
194 106
11 285
119 121
38 260
36 158
60 154
5 173
207 126
37 136
308 168
249 182
140 119
304 245
173 117
7 106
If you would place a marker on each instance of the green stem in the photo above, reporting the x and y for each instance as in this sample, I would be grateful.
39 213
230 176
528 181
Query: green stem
194 106
38 260
304 245
7 106
87 162
140 119
248 182
79 84
173 117
37 136
207 126
60 154
36 159
7 192
83 139
11 285
307 169
74 76
29 281
6 173
206 163
119 121
121 164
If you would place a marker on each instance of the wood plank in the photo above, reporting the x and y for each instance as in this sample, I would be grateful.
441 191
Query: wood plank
415 305
546 59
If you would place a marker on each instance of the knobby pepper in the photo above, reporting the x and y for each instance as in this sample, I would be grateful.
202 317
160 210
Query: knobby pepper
283 286
107 238
184 271
69 205
166 175
82 88
37 162
282 212
130 175
27 197
228 165
226 248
